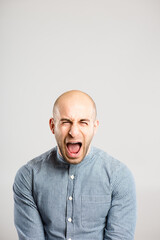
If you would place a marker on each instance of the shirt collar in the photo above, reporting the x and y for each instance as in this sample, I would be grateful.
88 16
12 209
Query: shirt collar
61 162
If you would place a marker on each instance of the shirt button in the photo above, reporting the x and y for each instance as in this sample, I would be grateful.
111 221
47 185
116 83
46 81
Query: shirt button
72 177
70 198
69 219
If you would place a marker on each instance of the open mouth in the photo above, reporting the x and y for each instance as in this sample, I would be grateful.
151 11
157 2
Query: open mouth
74 148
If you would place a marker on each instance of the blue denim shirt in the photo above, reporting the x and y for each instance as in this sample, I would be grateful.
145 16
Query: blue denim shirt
93 200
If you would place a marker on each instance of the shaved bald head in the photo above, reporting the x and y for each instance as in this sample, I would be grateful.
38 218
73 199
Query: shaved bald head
74 95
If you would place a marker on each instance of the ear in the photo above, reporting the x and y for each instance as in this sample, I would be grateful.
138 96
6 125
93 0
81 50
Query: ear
96 124
51 124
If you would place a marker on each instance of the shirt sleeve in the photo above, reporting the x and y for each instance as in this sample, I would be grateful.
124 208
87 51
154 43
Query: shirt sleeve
121 219
26 216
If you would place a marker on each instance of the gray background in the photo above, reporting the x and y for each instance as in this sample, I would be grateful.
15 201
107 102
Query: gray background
109 49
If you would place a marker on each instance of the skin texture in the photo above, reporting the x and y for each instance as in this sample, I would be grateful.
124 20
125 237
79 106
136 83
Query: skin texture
74 121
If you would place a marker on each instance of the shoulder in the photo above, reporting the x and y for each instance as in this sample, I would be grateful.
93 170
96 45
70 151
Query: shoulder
103 158
36 164
118 172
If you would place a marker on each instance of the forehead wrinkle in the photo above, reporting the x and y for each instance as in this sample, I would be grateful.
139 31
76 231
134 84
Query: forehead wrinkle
73 117
77 113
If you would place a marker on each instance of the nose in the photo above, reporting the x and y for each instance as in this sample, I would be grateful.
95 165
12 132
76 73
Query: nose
74 130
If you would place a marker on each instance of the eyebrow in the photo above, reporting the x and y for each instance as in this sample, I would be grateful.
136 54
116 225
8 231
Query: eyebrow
65 119
84 120
68 120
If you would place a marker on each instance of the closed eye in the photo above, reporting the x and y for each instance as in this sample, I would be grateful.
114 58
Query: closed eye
64 121
85 122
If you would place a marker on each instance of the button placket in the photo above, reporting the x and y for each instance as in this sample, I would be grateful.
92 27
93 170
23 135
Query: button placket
70 202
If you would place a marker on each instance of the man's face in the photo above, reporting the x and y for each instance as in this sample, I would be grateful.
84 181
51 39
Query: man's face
74 126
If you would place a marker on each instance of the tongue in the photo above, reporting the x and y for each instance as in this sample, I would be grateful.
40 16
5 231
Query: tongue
73 148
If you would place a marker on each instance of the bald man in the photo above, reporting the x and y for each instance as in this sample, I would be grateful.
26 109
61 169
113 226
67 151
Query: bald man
74 191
